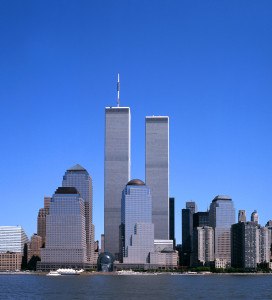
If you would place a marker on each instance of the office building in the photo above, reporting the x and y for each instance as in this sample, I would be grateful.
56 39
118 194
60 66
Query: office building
78 177
41 219
245 245
187 232
10 261
172 220
157 171
34 247
222 216
12 239
203 246
136 230
265 244
242 216
65 231
255 217
116 172
201 219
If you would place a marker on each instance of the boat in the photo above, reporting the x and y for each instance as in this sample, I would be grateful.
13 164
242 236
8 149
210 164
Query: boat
59 272
53 273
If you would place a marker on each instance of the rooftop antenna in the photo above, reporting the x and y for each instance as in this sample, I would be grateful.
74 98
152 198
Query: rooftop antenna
118 90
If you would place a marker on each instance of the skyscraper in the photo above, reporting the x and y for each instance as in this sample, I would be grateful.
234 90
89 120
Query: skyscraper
242 216
12 239
41 219
187 231
172 220
255 217
137 230
157 171
201 219
65 231
222 216
79 178
203 246
116 172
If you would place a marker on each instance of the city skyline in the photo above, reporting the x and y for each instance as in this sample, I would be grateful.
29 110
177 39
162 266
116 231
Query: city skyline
207 67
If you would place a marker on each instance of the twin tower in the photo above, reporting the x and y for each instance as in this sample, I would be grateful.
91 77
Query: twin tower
117 171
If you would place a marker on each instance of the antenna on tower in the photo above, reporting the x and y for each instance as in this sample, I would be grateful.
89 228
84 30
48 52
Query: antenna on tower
118 90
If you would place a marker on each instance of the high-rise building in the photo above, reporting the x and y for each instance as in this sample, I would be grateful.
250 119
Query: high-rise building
255 217
222 216
172 220
203 246
41 219
116 172
12 239
65 230
245 245
187 232
136 230
34 247
201 219
78 177
157 171
242 216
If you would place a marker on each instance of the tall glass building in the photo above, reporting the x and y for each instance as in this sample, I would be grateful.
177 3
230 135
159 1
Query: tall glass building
65 228
136 230
157 171
79 178
116 172
222 216
12 239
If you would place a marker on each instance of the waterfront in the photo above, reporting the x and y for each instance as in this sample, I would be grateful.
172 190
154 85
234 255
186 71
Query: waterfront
135 287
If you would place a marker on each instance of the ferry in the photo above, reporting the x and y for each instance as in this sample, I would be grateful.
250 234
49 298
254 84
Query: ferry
65 272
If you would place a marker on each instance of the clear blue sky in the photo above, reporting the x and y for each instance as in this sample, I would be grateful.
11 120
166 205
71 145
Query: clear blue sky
206 64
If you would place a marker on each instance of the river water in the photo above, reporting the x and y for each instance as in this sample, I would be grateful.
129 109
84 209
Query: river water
136 287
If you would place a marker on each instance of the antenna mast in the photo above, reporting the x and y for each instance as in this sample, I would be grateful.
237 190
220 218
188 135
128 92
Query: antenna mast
118 90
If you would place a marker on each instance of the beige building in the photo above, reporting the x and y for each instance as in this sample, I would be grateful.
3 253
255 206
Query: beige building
34 247
41 220
203 245
10 261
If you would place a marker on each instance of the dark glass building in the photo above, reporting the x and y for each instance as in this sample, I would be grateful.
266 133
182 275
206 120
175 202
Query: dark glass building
172 220
201 219
187 232
105 262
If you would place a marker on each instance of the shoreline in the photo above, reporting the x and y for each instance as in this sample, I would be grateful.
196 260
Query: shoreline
95 273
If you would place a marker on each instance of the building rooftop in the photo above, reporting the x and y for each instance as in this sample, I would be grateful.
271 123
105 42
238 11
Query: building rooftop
135 182
222 197
66 190
77 167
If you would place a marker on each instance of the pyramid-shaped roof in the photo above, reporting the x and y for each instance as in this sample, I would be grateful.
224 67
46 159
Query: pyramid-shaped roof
77 167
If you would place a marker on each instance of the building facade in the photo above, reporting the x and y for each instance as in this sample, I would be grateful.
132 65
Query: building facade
65 229
116 172
41 219
222 216
187 232
34 247
10 261
245 245
157 171
136 230
78 177
203 246
242 216
172 220
12 239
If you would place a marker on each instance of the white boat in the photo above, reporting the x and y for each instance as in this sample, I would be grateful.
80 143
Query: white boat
65 272
69 271
53 273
